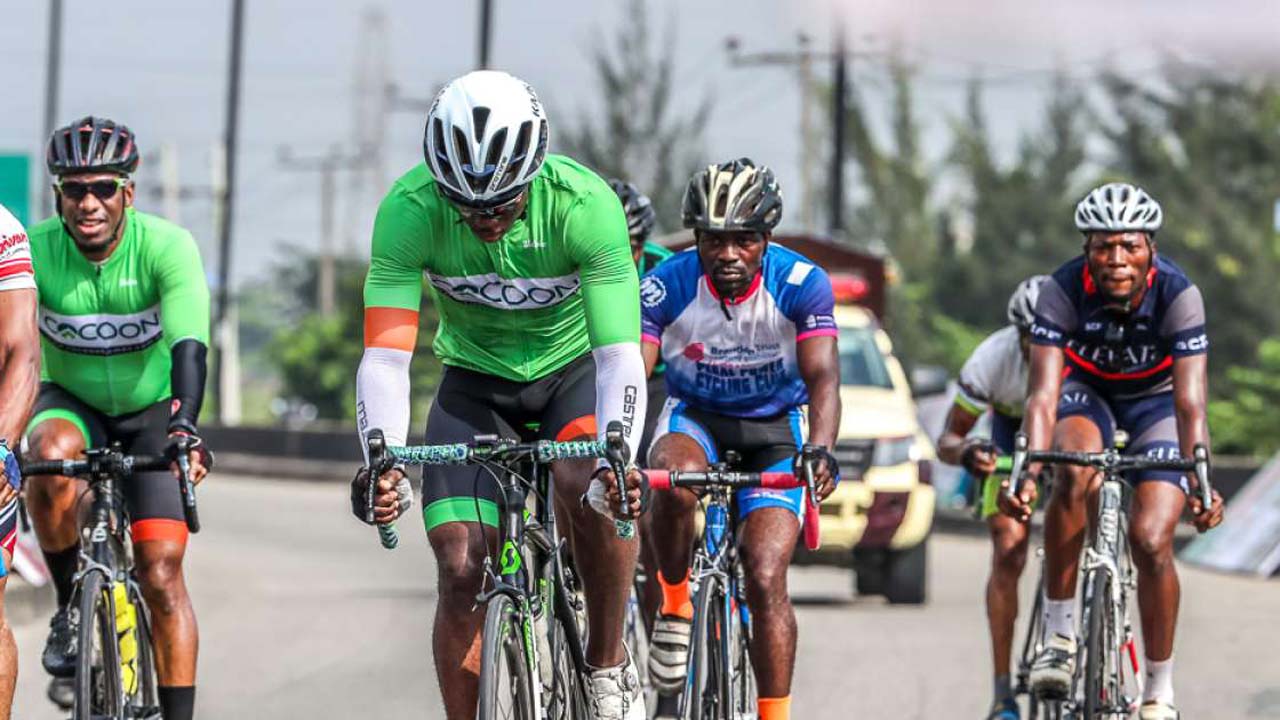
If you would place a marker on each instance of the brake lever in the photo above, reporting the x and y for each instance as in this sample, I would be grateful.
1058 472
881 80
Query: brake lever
809 455
1020 442
379 463
616 455
1201 455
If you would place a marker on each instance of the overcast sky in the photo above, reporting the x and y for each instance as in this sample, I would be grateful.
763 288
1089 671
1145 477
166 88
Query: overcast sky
160 67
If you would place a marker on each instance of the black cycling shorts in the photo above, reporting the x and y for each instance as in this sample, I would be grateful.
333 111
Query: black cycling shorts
152 499
559 406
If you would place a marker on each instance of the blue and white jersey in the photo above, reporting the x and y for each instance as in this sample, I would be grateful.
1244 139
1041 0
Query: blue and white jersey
744 365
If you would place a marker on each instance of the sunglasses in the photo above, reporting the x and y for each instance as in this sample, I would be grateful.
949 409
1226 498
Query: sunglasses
498 212
101 189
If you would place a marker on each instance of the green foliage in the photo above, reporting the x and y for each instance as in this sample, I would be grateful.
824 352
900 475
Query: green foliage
315 357
1246 418
636 135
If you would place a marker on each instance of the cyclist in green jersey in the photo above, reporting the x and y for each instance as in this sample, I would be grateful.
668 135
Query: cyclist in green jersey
124 330
527 262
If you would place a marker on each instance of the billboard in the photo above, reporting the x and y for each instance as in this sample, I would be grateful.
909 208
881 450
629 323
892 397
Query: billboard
15 185
1248 540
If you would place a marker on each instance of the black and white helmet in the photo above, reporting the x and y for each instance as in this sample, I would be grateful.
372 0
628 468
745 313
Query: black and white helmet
1118 207
734 195
640 213
1022 303
486 138
92 144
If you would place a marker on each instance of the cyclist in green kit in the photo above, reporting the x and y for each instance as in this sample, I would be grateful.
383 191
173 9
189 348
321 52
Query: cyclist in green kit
124 330
528 263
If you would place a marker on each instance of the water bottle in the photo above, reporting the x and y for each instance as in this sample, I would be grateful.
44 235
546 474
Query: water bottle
126 637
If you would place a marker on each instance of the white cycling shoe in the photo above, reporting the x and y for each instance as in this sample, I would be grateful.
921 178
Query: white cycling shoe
1156 710
669 653
1053 668
614 693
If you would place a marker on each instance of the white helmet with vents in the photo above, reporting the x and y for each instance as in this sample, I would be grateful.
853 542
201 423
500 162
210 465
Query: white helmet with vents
486 138
1022 303
1118 207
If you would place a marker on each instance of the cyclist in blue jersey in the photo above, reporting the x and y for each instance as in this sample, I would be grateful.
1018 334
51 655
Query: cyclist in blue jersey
1119 342
747 334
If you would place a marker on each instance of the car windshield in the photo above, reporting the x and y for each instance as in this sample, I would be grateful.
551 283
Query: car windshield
860 359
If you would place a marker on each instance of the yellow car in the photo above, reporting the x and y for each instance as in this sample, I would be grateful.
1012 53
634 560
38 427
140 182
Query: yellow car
880 522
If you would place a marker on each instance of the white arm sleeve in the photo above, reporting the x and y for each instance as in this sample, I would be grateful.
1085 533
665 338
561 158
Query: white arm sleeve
382 395
620 391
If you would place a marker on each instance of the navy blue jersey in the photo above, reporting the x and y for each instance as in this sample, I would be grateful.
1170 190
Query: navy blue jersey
744 366
1125 356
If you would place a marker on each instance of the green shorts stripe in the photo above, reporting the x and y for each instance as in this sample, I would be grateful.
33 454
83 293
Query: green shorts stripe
460 509
61 414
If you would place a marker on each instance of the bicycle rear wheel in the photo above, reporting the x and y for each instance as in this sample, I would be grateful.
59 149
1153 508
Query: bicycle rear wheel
97 683
506 682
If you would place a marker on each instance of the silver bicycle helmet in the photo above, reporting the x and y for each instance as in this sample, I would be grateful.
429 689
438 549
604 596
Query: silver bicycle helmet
1022 303
1118 207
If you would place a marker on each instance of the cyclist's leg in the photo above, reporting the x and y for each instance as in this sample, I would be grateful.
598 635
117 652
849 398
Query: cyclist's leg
652 598
1085 423
61 427
1158 502
460 513
606 562
1008 557
159 546
770 522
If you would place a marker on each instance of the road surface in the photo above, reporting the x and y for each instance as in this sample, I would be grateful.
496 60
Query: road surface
303 615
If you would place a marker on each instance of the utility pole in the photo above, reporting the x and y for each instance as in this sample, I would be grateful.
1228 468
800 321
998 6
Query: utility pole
369 106
839 104
802 59
486 31
327 166
229 194
53 71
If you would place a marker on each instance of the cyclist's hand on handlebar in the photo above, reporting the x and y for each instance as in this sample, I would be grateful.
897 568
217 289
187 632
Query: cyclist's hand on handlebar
1206 519
1020 504
10 477
198 455
603 495
826 471
393 495
979 457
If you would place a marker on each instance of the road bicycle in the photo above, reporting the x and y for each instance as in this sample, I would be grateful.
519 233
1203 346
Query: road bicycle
115 674
533 665
1108 681
720 681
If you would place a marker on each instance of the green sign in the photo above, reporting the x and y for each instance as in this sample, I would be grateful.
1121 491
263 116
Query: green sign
15 185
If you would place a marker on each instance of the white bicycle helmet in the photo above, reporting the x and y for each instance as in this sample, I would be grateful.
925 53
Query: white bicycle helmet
1022 303
1118 207
486 138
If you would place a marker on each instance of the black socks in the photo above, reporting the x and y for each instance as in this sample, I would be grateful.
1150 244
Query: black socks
177 703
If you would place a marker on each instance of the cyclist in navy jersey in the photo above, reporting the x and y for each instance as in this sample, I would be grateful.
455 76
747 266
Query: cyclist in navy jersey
1118 342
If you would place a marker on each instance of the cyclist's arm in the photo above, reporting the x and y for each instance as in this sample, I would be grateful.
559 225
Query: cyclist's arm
820 368
960 421
19 361
184 318
392 298
1184 326
650 352
596 237
1190 392
1044 387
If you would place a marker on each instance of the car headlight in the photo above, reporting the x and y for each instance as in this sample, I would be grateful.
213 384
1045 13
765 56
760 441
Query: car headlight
895 451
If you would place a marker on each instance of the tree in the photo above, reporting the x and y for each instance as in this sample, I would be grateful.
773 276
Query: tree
1246 418
637 135
316 356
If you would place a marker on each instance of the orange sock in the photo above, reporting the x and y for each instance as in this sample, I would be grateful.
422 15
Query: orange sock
675 598
775 708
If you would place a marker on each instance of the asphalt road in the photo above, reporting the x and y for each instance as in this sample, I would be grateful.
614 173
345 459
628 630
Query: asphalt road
303 615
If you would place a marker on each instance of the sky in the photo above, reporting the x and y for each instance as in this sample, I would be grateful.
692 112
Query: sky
161 66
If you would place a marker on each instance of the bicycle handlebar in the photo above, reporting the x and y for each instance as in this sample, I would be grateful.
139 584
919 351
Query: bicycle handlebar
1112 461
734 480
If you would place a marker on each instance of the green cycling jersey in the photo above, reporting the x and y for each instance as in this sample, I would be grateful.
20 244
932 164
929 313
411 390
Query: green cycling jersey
559 283
106 328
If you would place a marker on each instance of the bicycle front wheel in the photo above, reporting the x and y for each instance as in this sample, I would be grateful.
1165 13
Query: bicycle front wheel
506 681
737 660
707 690
97 685
141 695
1101 646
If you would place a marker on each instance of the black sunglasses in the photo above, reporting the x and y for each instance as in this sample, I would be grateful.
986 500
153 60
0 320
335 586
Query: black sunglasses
101 189
503 211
